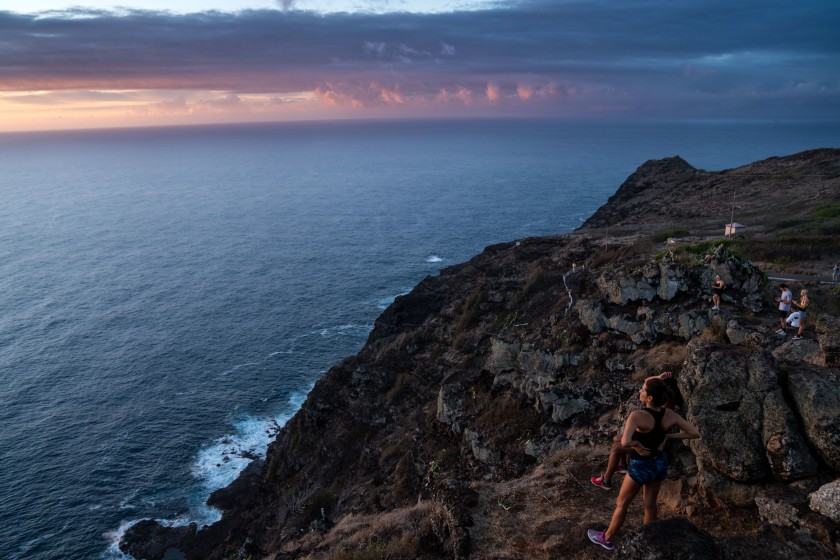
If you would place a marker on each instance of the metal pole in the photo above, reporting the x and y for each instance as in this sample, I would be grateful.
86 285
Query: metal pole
731 228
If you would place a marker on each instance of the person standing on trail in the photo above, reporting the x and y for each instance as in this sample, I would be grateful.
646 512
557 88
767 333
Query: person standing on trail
646 432
802 306
717 291
784 306
835 273
617 461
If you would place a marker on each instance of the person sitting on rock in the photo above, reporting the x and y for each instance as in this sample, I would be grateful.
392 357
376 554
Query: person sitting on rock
793 320
617 461
646 432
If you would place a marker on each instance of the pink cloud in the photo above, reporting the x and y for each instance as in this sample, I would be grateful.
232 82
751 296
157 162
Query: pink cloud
524 92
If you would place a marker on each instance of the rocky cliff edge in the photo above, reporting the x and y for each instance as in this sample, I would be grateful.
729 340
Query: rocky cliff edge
469 424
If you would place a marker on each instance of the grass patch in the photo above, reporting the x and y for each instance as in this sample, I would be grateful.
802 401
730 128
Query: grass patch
471 312
695 253
789 249
536 278
828 211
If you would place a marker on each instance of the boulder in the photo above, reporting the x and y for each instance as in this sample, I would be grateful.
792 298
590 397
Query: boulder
816 397
790 507
736 333
799 351
621 287
826 500
828 336
502 356
786 449
748 431
450 406
676 538
150 540
591 315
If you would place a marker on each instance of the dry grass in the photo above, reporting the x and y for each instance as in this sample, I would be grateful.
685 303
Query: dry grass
665 356
404 533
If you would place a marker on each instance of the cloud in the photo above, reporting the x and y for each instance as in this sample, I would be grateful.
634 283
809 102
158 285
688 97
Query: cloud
575 55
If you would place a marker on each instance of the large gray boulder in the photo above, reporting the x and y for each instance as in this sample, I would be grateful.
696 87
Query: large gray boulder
828 335
748 431
676 538
815 393
826 500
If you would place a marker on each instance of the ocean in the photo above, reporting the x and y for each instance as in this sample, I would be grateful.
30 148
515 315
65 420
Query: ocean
169 295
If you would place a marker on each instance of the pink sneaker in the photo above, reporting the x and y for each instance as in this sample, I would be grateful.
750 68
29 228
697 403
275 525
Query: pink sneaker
598 538
601 483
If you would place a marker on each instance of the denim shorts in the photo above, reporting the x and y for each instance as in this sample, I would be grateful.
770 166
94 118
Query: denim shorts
648 469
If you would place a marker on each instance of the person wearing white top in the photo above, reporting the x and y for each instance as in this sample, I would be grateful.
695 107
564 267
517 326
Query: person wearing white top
784 306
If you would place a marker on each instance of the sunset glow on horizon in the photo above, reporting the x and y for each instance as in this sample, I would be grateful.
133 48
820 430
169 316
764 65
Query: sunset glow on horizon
91 67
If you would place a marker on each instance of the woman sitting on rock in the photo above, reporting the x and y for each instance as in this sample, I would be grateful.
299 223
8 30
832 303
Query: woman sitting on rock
646 432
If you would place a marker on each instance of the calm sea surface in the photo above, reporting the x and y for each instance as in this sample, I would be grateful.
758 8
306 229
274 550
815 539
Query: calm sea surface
168 296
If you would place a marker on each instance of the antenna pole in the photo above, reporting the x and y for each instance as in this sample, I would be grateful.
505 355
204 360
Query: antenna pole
731 227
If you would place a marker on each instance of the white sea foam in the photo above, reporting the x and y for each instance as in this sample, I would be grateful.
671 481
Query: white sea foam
217 465
240 366
434 259
113 551
385 302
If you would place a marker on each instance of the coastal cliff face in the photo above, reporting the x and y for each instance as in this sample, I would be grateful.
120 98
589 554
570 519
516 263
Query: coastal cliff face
469 424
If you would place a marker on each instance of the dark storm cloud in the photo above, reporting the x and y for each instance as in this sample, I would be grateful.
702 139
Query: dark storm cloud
642 55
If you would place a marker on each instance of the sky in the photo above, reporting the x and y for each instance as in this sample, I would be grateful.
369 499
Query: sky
92 64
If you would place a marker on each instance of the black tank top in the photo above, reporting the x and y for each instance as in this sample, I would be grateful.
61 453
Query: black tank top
652 439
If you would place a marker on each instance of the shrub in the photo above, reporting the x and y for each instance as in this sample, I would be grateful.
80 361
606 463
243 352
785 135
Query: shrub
471 311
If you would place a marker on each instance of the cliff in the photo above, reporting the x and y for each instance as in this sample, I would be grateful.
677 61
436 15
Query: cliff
469 424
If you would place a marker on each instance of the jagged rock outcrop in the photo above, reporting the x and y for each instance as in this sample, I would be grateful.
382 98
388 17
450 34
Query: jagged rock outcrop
481 400
828 331
736 394
675 539
815 393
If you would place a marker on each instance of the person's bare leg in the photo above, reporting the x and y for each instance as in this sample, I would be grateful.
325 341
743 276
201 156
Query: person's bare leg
650 495
616 451
628 491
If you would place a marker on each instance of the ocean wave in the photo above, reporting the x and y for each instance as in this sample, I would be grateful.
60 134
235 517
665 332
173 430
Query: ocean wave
434 259
386 301
113 551
218 464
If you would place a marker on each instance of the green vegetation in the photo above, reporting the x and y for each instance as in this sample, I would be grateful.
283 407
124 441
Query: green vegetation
786 249
470 313
828 211
536 278
695 253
